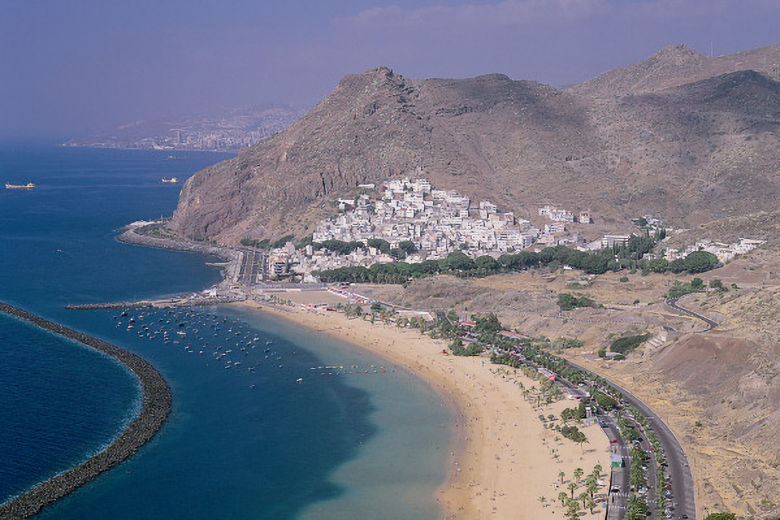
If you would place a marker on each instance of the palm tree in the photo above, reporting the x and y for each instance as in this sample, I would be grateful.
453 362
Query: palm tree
578 474
561 475
572 508
590 505
572 486
562 497
584 497
597 470
591 485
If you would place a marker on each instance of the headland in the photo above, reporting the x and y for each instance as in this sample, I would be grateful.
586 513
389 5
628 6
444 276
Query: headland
155 409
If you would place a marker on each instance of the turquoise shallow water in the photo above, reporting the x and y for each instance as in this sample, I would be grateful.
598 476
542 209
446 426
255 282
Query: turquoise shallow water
240 443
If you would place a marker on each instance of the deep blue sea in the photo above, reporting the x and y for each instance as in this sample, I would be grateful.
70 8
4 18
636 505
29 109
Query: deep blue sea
246 438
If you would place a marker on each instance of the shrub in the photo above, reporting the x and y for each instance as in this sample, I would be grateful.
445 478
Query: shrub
568 301
626 344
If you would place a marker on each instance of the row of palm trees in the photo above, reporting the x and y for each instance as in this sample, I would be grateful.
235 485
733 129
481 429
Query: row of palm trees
587 496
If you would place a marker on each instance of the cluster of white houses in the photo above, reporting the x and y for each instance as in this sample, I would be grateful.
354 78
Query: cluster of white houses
724 252
439 222
436 221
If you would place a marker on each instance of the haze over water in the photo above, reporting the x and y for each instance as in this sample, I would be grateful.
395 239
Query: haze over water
239 443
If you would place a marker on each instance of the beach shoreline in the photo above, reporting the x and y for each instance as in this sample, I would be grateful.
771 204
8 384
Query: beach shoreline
504 463
155 409
502 459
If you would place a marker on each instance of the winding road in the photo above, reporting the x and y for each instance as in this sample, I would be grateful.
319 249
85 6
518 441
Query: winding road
672 303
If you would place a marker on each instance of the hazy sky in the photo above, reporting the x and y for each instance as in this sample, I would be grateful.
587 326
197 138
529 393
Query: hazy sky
69 68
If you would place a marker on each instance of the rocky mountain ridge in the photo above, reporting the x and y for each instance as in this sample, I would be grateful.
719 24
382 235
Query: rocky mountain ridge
687 143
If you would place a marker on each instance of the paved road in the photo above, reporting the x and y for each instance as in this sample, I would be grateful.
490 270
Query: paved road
679 470
252 267
672 302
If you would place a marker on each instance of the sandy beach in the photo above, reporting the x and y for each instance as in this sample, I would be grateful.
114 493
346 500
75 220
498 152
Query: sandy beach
503 460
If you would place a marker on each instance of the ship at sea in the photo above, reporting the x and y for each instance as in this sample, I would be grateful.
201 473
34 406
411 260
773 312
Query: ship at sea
172 180
28 186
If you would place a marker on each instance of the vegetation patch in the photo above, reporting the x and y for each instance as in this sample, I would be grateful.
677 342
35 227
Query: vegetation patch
628 256
626 344
569 302
460 349
681 289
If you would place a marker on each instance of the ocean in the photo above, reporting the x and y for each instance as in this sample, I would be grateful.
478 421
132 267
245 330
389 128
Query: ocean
260 428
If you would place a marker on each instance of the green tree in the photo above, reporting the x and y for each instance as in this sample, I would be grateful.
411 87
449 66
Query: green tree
488 263
572 486
578 474
561 476
700 261
591 504
677 266
378 243
457 261
398 253
407 246
572 508
591 485
562 497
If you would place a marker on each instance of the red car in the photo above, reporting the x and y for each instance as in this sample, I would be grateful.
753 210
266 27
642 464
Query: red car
613 440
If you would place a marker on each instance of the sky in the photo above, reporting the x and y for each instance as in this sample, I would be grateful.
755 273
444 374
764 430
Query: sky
80 67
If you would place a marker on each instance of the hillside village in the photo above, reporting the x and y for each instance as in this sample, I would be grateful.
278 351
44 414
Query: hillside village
412 220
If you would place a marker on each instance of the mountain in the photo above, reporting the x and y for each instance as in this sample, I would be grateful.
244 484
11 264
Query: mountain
221 130
680 135
678 65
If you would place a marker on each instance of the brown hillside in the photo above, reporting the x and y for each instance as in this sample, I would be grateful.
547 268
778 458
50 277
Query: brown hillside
678 65
690 152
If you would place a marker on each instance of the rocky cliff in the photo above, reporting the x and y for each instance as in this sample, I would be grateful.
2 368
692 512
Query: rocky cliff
679 135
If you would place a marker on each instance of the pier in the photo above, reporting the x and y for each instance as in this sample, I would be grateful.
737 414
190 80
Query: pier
155 410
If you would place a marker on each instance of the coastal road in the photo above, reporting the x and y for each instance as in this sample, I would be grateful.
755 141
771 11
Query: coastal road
678 469
672 303
252 267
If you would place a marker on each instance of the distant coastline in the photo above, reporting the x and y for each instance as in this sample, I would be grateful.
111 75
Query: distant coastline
155 410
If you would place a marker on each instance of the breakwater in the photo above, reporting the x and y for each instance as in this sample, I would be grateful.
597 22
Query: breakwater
150 304
136 235
154 411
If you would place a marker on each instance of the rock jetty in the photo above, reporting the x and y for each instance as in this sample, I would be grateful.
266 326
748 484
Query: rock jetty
154 412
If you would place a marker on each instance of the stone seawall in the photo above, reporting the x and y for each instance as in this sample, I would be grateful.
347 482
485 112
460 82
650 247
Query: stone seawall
136 236
154 412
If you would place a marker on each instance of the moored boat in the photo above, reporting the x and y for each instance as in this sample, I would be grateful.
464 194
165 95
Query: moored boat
28 186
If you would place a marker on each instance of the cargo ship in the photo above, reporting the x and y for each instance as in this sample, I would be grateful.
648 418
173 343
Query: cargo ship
28 186
172 180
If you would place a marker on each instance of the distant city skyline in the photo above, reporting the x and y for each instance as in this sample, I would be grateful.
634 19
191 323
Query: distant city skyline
71 70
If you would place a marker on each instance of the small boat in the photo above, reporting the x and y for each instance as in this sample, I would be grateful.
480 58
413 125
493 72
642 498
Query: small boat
171 180
28 186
